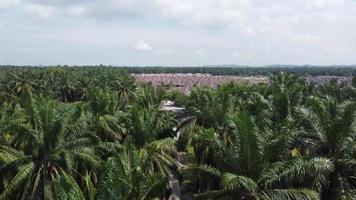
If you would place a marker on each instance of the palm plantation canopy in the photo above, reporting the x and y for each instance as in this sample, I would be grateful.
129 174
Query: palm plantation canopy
93 133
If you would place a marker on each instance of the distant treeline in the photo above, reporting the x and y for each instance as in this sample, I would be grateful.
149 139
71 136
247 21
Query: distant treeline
249 71
306 70
66 84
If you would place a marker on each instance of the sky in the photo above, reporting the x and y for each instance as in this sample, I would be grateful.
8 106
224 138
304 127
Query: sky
177 32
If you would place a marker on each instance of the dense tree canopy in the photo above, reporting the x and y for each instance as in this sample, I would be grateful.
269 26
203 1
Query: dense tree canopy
94 133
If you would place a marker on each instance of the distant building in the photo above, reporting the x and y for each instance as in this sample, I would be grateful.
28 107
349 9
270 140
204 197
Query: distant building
168 105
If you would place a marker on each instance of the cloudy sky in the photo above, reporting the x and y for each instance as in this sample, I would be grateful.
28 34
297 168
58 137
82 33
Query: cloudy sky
177 32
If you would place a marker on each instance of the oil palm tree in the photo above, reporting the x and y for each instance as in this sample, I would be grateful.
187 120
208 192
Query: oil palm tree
333 123
147 127
246 173
147 95
125 87
210 108
150 128
106 119
47 150
285 94
128 175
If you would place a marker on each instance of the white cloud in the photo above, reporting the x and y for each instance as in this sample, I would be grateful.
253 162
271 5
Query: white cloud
209 29
236 54
242 55
275 25
163 52
205 12
4 4
42 11
325 3
142 46
199 53
76 10
249 30
306 38
267 48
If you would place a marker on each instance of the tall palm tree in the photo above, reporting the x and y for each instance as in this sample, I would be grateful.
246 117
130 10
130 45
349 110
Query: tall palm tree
147 128
147 95
333 123
246 173
47 152
125 87
285 94
211 109
106 119
150 129
128 175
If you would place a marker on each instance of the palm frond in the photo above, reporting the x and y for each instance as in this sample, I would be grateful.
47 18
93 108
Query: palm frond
231 182
20 178
66 188
316 170
289 194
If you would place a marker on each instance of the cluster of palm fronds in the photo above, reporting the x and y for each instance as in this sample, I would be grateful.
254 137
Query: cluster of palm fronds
95 134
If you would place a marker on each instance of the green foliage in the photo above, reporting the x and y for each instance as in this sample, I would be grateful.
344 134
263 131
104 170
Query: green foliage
45 150
93 133
249 70
128 175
